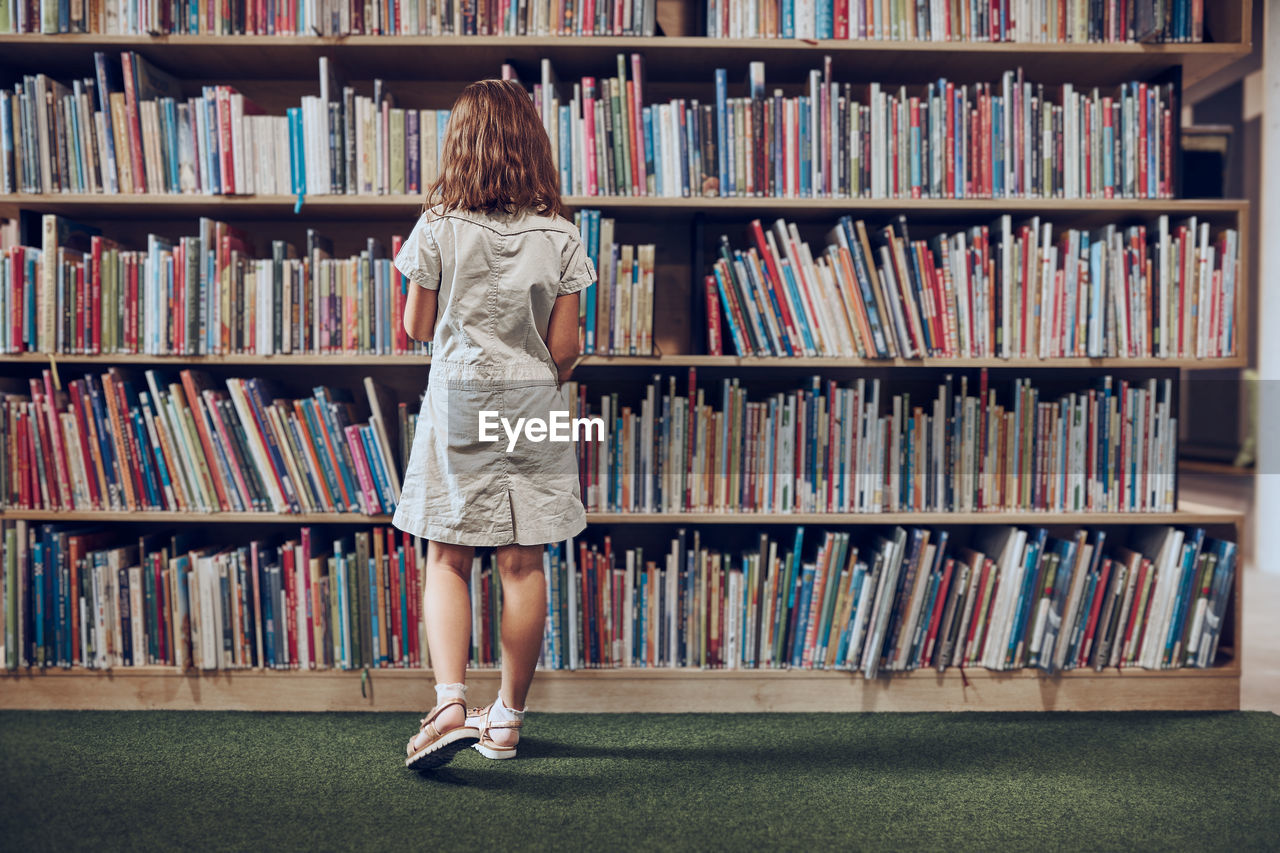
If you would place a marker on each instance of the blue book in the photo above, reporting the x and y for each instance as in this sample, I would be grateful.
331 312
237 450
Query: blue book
650 158
1026 595
169 117
376 654
297 163
374 461
788 19
402 584
592 220
824 26
805 145
735 333
722 129
566 151
1186 590
801 318
801 620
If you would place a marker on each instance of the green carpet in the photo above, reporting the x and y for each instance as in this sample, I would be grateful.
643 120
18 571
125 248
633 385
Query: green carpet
778 781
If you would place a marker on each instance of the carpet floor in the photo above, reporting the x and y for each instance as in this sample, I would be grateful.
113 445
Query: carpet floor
982 781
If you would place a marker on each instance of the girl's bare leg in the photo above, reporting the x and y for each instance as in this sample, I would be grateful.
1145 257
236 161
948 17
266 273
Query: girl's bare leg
446 604
524 613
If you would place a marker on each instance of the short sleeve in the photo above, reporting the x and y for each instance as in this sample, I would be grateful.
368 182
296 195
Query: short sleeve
578 272
419 257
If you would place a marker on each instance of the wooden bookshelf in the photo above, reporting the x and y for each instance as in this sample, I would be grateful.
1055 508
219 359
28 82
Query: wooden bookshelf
658 362
1188 514
680 62
678 58
635 690
400 208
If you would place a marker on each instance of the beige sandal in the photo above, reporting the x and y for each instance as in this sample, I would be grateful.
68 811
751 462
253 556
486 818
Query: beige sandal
439 747
488 747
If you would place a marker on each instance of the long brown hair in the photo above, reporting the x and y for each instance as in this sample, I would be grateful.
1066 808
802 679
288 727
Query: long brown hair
496 156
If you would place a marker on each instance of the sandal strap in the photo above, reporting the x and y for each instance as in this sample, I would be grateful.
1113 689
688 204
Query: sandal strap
439 709
503 724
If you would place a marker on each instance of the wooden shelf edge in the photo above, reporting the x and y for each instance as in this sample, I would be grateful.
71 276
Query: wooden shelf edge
580 43
655 362
283 203
631 690
1186 515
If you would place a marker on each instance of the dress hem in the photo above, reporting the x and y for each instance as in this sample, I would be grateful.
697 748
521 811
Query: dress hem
447 532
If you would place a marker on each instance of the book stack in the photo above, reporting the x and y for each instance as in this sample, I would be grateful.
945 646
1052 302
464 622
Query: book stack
82 293
616 314
1006 291
110 443
905 600
101 600
1066 22
1107 447
337 18
1007 139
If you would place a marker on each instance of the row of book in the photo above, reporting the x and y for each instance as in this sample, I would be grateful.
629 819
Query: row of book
209 293
909 599
101 599
336 18
890 602
110 443
1008 139
1065 22
1110 446
1007 291
617 312
82 293
135 132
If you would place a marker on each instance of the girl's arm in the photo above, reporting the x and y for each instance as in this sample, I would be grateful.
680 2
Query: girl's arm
420 313
562 334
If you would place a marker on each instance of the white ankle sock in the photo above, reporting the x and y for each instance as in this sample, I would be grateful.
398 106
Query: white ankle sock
457 690
502 712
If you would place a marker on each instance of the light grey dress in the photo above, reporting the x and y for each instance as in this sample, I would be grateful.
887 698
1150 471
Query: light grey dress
498 279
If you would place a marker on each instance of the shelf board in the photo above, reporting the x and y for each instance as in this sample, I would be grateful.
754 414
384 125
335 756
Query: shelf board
634 690
1188 514
404 207
1222 469
678 58
661 362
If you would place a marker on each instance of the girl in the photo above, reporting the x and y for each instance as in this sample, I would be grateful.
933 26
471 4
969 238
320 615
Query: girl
494 277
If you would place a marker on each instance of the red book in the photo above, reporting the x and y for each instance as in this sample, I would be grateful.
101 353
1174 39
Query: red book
1100 592
949 144
395 628
290 578
127 60
399 295
842 19
370 503
589 131
1141 107
776 280
258 659
96 295
936 618
714 344
132 314
1132 621
193 383
78 408
412 597
51 439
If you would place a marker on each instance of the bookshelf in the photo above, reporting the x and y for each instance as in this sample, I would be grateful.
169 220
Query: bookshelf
277 69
